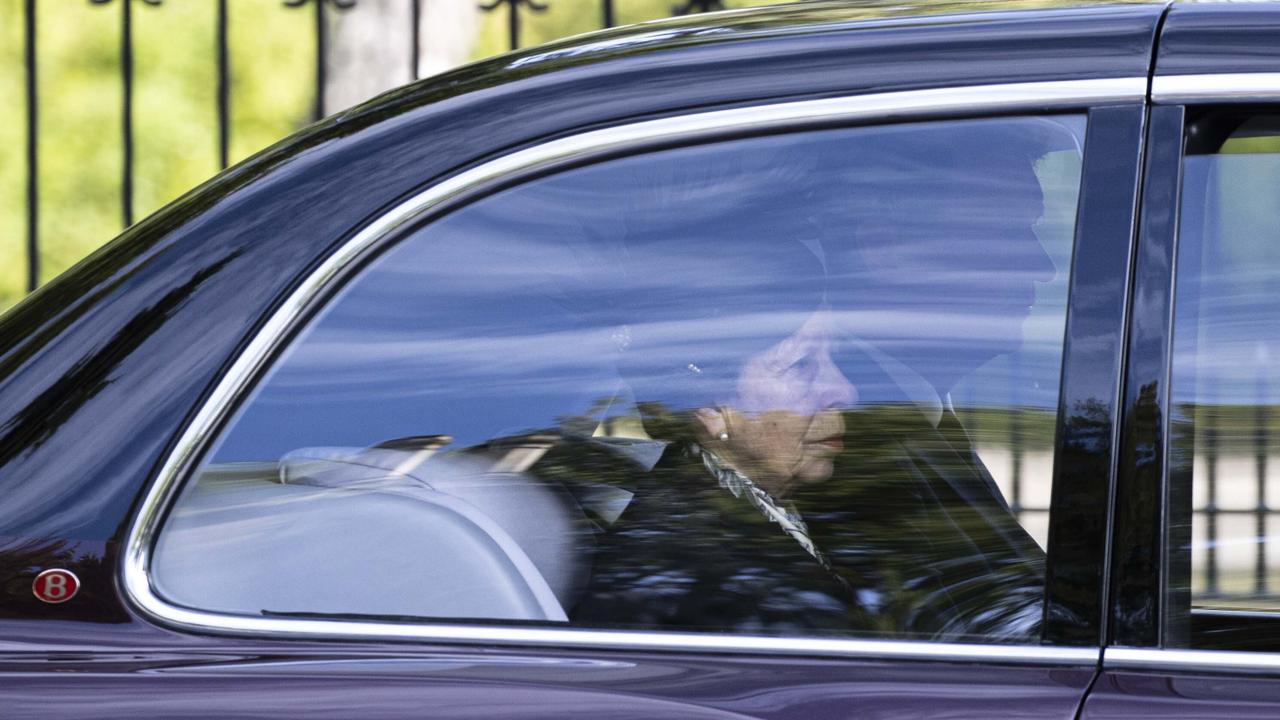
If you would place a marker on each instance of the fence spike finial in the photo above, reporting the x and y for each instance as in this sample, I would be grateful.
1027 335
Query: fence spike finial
513 17
338 4
697 6
318 110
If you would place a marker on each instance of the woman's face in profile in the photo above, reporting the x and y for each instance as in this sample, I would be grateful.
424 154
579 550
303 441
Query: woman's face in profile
784 425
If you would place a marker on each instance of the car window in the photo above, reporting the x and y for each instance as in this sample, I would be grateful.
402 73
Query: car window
802 384
1225 386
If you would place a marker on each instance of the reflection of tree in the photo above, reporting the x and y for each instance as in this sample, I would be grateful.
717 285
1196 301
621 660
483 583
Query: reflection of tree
945 564
1089 426
922 561
1147 426
1086 438
1237 426
21 559
42 415
21 556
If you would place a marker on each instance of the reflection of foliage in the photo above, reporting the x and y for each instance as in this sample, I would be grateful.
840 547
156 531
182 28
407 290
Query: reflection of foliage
953 567
920 560
1028 428
42 415
1089 426
21 559
1237 428
25 557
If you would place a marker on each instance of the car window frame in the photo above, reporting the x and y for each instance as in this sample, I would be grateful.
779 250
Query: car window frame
1141 613
1115 107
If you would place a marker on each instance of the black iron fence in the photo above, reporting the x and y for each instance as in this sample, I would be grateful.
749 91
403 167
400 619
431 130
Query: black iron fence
324 15
221 61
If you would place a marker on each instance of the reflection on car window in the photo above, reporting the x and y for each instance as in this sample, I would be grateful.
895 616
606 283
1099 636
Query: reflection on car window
801 385
1225 388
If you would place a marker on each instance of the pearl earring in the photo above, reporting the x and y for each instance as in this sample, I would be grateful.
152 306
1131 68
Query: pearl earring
723 436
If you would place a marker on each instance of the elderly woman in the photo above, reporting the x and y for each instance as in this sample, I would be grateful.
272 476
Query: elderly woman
784 501
733 377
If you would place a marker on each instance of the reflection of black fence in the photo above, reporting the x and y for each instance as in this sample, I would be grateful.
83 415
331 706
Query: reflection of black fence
1024 433
1221 435
321 9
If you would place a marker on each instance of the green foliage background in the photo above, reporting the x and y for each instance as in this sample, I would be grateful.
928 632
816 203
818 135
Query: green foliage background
175 113
572 17
175 121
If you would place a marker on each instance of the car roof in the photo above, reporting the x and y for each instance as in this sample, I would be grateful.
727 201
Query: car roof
812 16
1219 38
894 45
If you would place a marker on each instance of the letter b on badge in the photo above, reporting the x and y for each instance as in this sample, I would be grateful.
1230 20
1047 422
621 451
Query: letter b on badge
56 586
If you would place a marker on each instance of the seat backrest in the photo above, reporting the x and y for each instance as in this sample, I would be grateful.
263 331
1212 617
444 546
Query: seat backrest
261 547
540 517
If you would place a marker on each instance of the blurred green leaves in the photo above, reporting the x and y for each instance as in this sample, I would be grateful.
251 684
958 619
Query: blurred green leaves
175 113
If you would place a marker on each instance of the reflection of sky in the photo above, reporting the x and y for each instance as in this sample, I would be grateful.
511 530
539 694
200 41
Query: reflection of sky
1227 331
505 316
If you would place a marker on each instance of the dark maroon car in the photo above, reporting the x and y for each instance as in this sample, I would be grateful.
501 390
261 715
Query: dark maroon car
787 363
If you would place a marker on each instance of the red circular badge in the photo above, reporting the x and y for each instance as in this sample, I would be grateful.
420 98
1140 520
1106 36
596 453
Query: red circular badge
56 586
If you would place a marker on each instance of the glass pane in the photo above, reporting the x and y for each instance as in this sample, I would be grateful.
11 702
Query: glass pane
801 384
1225 385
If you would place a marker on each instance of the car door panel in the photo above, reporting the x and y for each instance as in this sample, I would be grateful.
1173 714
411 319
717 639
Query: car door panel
1174 695
279 681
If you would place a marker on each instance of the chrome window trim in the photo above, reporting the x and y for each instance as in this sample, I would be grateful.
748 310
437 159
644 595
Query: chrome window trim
1222 87
1125 658
243 372
1228 613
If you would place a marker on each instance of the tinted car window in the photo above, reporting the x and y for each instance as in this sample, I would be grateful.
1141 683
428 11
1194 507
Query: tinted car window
1225 387
801 384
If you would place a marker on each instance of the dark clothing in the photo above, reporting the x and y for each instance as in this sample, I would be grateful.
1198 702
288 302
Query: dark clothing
919 541
688 554
914 515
